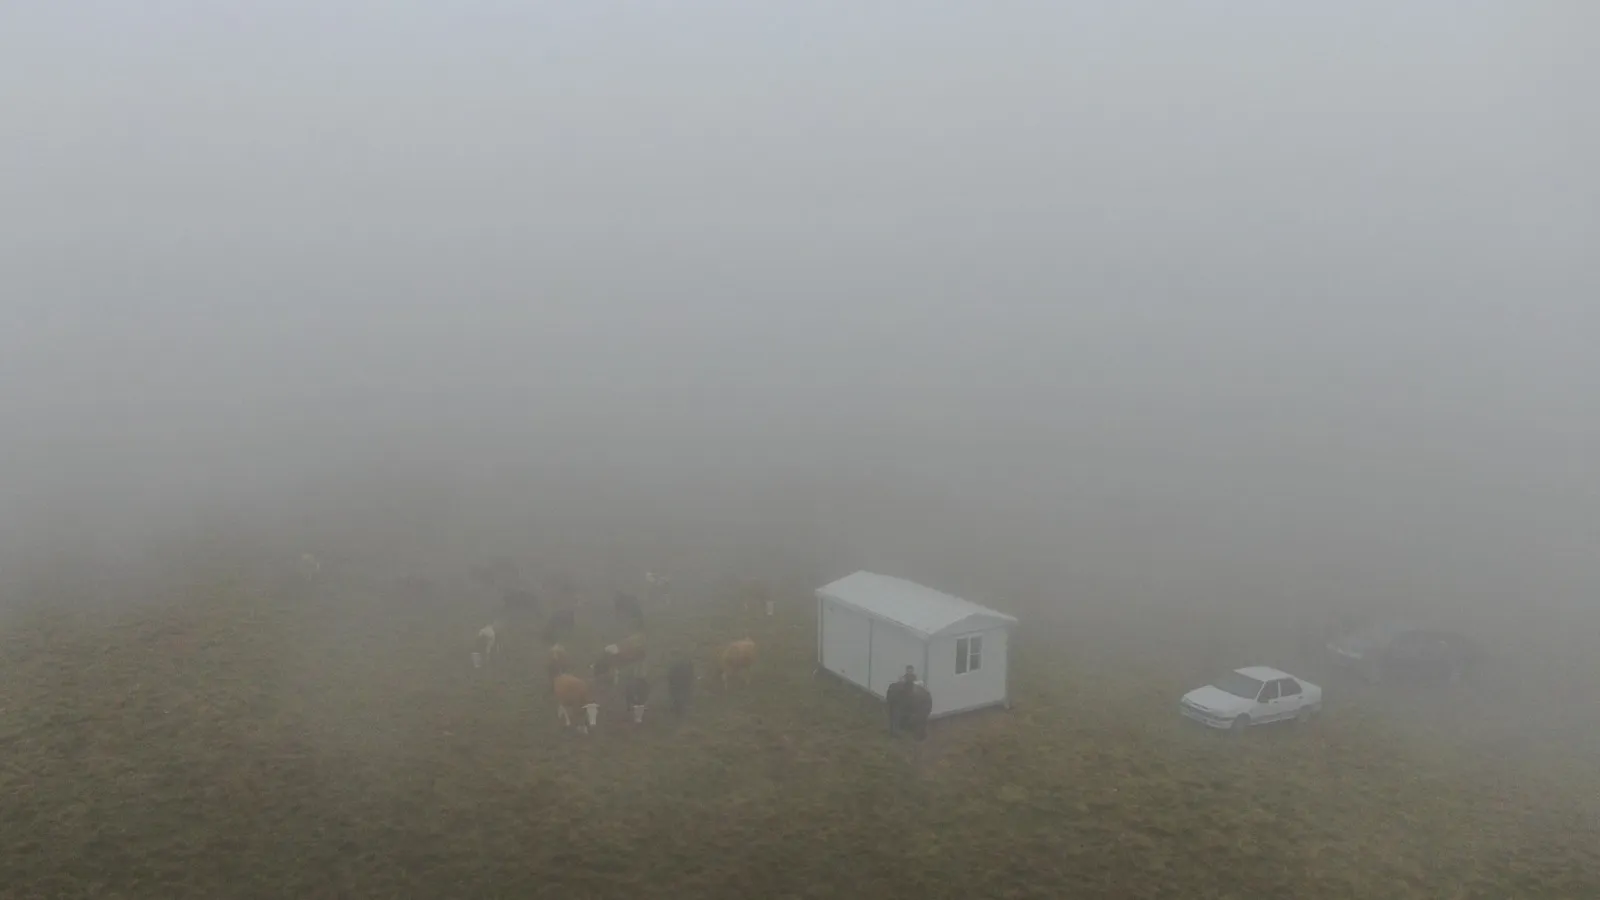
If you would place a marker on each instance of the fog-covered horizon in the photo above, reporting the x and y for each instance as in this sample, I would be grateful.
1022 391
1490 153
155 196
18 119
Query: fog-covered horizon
1140 291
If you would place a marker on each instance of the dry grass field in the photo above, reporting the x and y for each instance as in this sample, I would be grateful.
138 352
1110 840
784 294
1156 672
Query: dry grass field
238 740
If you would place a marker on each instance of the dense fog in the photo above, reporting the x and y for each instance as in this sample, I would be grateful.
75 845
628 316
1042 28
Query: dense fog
1173 302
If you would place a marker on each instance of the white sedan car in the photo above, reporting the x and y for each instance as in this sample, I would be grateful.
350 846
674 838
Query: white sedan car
1254 695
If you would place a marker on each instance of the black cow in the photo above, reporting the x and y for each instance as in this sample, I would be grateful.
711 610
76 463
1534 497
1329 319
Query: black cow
562 621
909 706
627 607
637 693
680 684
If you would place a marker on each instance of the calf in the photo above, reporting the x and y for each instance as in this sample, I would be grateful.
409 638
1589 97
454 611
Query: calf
738 657
627 607
562 621
637 693
680 684
626 654
572 695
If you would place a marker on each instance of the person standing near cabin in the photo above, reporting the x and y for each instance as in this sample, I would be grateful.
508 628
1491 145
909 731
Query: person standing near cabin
899 698
914 707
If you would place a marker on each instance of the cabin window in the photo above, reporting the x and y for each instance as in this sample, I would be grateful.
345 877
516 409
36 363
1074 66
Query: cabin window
969 654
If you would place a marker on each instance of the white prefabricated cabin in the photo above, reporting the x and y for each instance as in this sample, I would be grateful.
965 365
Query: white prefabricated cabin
870 627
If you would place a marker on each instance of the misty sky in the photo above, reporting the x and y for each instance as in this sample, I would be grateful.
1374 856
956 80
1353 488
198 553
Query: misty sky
1174 272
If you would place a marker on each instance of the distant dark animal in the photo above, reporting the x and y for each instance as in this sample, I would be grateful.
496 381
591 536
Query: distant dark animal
637 693
627 607
909 707
680 685
562 621
522 601
738 656
627 654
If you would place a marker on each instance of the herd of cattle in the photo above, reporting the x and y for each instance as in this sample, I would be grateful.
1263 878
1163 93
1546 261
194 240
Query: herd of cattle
620 665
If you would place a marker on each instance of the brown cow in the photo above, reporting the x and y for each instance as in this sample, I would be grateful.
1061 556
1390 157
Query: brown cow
627 654
737 657
572 695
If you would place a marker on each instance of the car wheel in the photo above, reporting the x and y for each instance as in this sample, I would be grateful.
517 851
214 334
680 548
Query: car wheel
1240 724
1304 715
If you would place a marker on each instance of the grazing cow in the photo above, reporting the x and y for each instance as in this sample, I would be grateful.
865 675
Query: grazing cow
627 607
572 695
627 654
909 705
738 657
557 665
637 693
484 645
680 684
562 621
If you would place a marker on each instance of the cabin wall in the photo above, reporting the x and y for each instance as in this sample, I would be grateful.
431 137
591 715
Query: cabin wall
846 636
985 686
892 650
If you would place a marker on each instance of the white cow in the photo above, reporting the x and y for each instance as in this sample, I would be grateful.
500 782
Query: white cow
484 645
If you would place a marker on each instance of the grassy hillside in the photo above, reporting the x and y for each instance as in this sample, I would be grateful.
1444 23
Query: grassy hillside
238 742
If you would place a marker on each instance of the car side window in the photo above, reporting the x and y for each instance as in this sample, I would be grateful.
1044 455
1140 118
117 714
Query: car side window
1269 692
1288 687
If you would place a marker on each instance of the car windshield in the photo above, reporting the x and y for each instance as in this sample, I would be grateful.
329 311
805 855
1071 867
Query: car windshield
1239 685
